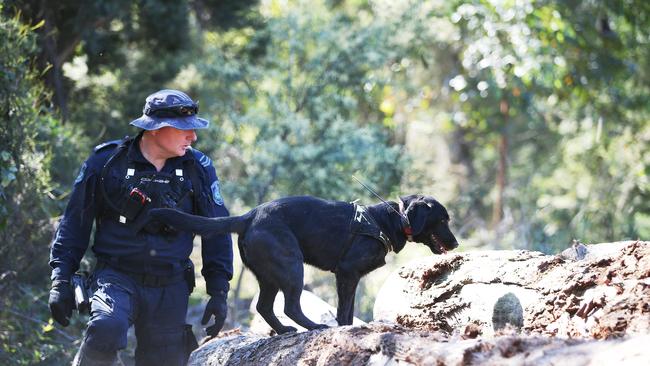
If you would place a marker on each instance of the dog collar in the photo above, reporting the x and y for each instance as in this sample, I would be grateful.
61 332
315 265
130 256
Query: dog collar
404 219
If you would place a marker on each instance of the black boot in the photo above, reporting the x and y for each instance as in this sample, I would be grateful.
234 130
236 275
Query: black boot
87 356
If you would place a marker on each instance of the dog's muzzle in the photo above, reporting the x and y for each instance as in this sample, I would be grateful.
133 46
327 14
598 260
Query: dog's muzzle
439 247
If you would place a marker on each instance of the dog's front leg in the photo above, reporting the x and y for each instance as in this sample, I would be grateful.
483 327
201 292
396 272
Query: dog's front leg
346 286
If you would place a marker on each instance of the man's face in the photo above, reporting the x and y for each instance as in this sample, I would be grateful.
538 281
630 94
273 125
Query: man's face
174 142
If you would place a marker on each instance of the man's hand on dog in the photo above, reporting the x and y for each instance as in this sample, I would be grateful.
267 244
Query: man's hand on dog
218 308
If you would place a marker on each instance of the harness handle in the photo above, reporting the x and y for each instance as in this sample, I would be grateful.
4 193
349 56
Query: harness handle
406 224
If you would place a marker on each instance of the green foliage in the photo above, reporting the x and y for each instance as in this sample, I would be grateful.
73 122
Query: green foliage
117 52
30 134
559 83
112 70
297 120
24 158
28 335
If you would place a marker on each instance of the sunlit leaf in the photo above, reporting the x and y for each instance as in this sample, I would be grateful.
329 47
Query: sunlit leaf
38 25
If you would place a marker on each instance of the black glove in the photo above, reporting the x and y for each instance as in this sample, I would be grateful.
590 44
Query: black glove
61 302
218 307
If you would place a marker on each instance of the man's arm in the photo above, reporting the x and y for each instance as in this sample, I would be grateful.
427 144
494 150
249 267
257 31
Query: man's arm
70 243
216 250
73 233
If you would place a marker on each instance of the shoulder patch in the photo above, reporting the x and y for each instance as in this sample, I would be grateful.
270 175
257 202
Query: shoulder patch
203 159
107 144
80 177
216 193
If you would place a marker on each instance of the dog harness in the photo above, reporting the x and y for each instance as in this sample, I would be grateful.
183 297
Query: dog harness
363 223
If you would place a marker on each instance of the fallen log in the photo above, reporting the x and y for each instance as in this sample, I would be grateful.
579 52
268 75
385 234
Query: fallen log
589 291
391 344
589 305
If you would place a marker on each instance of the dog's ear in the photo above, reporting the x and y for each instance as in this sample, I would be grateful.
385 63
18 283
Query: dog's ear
417 212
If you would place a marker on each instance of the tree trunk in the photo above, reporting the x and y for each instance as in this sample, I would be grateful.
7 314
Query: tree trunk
497 209
54 77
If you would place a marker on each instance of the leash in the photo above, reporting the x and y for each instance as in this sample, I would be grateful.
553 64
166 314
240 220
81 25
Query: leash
406 224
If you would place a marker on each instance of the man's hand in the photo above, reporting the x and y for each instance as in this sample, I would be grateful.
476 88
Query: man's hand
61 302
218 307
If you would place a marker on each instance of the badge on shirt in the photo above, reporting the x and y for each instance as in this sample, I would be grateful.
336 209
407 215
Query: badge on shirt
216 193
80 177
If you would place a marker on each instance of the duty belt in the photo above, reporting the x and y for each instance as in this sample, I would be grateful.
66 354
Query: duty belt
144 279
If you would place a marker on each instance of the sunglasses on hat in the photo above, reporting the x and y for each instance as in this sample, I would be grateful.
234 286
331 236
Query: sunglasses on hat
172 111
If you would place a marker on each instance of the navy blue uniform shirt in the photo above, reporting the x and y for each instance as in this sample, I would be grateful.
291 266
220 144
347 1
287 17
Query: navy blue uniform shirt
160 254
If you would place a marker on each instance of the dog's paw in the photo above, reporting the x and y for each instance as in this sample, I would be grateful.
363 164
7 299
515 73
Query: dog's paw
320 326
286 329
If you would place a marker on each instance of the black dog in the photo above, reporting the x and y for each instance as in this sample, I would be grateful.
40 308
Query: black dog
350 240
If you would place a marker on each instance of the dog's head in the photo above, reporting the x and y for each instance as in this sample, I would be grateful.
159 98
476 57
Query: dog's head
429 223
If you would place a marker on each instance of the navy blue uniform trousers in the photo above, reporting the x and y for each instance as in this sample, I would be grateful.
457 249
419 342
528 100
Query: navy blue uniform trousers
158 314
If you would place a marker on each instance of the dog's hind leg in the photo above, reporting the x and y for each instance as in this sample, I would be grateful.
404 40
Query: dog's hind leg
276 259
346 286
292 292
265 301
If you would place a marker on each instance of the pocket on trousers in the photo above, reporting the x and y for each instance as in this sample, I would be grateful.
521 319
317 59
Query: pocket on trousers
111 296
102 300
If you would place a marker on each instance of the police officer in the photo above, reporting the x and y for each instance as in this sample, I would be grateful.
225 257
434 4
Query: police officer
143 275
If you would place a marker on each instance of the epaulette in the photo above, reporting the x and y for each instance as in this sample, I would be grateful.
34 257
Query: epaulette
203 159
106 144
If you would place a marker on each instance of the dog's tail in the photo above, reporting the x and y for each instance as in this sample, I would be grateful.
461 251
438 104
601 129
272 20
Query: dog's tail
199 224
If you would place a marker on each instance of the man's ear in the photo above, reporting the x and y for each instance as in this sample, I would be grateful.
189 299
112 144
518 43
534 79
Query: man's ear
417 212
